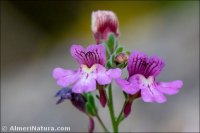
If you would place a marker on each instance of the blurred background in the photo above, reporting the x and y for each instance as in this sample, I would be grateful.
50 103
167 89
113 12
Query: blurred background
36 37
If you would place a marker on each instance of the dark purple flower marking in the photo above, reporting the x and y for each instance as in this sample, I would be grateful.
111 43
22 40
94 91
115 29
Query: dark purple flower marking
91 71
143 71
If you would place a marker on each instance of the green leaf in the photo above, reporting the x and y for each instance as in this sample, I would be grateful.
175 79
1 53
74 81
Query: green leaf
90 110
90 99
85 95
128 52
111 42
97 96
119 50
112 58
109 64
122 65
107 50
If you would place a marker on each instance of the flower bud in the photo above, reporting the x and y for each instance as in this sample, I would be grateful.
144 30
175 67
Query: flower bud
121 58
104 22
129 101
127 108
91 125
102 97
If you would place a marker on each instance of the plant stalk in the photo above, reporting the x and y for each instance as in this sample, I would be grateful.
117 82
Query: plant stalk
111 109
101 123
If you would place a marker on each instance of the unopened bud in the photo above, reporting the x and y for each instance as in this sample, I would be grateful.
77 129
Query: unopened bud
103 23
102 97
121 58
127 108
128 103
91 125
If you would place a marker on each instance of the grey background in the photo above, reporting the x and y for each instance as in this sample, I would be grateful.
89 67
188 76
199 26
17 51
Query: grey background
29 53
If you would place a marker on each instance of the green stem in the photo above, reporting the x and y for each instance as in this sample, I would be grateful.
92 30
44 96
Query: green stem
111 109
101 123
121 116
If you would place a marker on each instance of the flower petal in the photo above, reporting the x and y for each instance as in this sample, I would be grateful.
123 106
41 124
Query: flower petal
155 65
170 88
93 54
134 63
101 75
127 86
85 84
98 55
148 88
114 73
139 63
78 53
150 94
64 93
64 77
146 96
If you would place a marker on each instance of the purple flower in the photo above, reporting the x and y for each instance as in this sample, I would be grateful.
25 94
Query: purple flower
143 71
91 71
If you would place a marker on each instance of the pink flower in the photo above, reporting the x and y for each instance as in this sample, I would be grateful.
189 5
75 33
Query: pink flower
91 70
143 71
103 23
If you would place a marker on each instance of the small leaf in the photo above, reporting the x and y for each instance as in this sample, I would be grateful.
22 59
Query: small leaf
97 96
111 42
90 110
85 95
91 100
119 50
122 65
128 52
112 58
109 64
107 50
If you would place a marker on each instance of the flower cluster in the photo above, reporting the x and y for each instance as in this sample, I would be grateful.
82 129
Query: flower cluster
102 62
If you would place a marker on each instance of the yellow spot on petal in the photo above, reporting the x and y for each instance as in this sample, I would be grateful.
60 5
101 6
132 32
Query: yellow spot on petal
88 70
